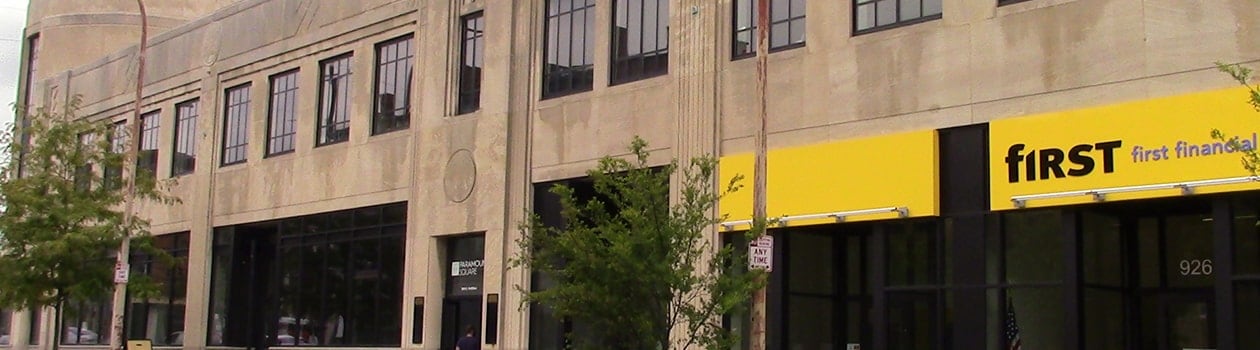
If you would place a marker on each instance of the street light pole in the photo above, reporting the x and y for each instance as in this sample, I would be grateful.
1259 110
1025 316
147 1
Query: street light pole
129 195
758 314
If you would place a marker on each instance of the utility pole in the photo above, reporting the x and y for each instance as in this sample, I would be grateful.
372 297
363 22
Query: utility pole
129 195
758 312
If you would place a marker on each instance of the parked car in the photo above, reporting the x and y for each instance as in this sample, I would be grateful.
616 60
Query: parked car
76 335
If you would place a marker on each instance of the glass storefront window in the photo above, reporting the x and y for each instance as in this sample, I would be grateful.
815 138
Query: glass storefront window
160 317
1247 302
1030 249
86 323
1247 245
1034 315
336 280
5 324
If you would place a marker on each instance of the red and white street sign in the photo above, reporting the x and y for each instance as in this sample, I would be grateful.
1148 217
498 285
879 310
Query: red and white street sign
761 254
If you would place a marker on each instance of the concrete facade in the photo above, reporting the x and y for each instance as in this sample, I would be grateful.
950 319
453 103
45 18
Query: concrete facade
473 173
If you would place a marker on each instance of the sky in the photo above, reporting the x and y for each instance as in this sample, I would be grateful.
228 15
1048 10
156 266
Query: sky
12 20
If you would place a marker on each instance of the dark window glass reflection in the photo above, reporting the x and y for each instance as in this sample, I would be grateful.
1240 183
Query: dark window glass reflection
787 26
569 47
640 39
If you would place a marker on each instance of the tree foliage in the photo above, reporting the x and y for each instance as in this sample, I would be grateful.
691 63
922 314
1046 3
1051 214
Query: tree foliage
1242 75
630 267
62 217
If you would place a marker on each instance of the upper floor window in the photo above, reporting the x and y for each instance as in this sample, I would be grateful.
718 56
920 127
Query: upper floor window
281 123
117 137
569 55
184 159
24 138
870 15
640 39
82 174
787 26
236 125
393 86
334 97
146 161
472 60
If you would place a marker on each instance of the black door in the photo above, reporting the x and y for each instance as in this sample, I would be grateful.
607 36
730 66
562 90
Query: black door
459 313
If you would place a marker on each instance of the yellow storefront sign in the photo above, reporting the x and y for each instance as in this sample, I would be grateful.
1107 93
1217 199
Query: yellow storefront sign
1144 149
895 171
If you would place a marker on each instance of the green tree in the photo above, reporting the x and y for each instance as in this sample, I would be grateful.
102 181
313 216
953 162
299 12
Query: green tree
1241 74
632 267
62 217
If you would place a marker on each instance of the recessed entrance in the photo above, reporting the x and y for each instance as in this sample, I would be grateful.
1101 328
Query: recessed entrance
465 260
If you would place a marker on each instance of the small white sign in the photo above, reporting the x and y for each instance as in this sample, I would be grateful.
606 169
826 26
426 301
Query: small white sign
852 346
121 273
466 267
761 254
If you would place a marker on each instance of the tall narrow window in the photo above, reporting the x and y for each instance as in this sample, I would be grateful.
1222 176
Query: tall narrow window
236 125
83 174
112 173
146 161
787 26
281 123
32 57
640 39
569 55
871 15
334 96
184 159
472 60
393 86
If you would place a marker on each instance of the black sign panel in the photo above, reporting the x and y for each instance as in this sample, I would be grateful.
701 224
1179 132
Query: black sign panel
465 265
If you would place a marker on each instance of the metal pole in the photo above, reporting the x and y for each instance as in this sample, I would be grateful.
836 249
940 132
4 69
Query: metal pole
129 195
758 312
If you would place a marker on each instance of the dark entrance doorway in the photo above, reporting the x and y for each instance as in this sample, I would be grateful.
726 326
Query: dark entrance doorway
461 308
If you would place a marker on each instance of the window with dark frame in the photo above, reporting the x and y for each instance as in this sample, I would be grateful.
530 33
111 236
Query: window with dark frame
787 26
184 159
86 322
6 317
392 102
640 40
333 125
117 137
146 160
282 123
83 176
236 125
569 47
32 58
872 15
160 317
472 61
338 280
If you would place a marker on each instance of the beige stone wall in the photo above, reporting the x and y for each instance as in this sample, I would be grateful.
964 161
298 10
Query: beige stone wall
472 173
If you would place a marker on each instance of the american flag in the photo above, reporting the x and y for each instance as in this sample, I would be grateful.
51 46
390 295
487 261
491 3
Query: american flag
1012 328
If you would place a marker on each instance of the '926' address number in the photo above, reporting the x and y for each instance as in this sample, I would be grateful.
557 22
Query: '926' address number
1196 267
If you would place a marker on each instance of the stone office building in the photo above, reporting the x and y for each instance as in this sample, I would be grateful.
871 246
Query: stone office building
952 174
